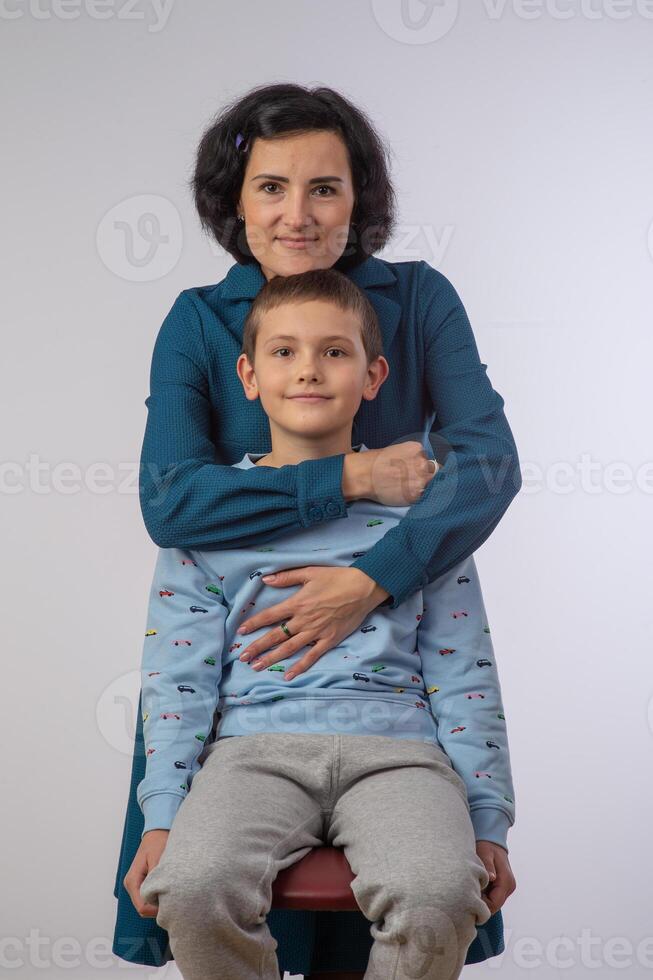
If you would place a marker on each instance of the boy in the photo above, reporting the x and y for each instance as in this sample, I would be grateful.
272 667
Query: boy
392 745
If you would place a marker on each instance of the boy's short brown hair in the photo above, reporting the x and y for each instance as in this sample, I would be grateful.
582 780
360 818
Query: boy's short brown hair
321 284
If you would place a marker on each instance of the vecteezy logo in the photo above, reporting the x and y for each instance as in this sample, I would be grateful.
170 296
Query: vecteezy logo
140 239
415 21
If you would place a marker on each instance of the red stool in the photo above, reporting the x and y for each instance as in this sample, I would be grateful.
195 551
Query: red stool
320 882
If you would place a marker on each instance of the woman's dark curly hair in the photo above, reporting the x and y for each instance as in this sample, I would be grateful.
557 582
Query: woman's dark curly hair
284 108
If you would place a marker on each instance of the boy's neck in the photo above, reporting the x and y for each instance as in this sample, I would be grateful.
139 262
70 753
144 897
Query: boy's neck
289 452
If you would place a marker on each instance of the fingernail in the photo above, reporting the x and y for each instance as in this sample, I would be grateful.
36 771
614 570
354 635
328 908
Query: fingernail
241 629
257 666
268 578
288 677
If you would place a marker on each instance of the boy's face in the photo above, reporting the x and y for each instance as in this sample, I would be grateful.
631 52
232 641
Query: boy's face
311 346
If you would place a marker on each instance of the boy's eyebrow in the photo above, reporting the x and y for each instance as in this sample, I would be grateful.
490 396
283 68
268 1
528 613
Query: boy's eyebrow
313 180
287 336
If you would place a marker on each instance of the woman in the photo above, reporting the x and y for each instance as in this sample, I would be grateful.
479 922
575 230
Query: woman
289 179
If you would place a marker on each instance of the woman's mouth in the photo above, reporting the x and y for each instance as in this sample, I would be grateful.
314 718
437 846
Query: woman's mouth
296 243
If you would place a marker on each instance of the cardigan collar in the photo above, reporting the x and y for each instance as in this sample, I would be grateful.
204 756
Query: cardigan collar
245 281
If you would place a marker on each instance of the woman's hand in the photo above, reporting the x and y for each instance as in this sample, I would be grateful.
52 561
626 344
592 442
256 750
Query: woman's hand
395 475
145 860
333 601
502 881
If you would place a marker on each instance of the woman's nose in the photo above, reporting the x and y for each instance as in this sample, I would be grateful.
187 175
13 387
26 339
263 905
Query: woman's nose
297 212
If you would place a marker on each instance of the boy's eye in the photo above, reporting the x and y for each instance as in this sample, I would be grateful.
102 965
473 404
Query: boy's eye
279 349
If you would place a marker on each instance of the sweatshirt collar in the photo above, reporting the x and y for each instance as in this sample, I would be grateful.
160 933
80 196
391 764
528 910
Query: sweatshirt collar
249 459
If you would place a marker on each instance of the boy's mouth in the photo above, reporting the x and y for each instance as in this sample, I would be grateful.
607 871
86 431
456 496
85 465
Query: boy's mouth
310 398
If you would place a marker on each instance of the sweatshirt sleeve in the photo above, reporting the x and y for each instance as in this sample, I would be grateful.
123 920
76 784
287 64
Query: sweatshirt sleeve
461 678
187 498
472 441
180 677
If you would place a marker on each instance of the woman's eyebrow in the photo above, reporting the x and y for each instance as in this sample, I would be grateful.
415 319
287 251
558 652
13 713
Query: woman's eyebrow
313 180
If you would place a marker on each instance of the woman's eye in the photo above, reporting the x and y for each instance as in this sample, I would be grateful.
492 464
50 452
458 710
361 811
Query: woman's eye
338 349
322 187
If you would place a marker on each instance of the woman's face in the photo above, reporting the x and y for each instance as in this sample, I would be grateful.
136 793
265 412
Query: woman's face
297 188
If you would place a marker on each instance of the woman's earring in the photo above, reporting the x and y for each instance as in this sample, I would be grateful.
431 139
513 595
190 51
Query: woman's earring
241 217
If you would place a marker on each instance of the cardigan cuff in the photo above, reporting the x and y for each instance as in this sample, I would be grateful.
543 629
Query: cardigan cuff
319 489
393 566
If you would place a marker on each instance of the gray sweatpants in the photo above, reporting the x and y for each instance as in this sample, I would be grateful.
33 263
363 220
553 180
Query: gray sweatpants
261 802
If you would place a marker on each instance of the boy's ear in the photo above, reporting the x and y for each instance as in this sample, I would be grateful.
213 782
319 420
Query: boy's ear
377 373
245 372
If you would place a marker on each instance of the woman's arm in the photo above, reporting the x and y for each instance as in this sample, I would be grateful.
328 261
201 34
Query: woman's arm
187 499
479 471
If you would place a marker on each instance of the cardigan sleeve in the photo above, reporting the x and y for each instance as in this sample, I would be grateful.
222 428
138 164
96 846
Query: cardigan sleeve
190 500
472 441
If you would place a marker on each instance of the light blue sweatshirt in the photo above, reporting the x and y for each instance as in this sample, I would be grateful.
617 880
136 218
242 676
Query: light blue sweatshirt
425 670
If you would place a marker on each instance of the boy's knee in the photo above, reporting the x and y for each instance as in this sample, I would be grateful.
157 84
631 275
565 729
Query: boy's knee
423 942
209 896
455 899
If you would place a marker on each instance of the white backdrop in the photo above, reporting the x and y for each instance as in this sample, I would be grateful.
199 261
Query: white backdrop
522 155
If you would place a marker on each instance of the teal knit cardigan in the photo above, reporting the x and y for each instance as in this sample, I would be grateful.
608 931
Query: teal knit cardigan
199 423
